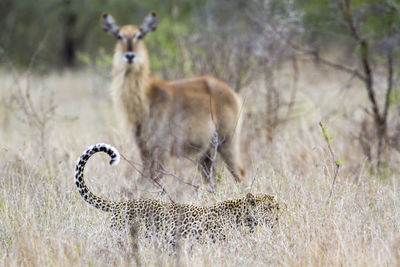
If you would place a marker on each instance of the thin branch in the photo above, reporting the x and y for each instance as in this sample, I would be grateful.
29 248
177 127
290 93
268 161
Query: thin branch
342 68
215 142
180 179
254 179
163 171
390 85
382 126
148 178
336 162
390 72
344 7
36 53
366 110
327 62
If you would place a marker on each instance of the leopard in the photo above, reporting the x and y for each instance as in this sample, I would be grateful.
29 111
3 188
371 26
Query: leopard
171 221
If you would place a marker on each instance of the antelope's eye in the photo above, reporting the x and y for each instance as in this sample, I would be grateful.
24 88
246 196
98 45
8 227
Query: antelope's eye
119 37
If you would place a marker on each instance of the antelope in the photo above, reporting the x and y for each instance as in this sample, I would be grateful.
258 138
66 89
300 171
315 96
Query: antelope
172 118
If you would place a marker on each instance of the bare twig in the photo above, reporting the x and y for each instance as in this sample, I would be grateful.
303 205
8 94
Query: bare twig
389 71
390 84
254 179
316 56
162 171
180 179
215 143
148 178
341 68
334 159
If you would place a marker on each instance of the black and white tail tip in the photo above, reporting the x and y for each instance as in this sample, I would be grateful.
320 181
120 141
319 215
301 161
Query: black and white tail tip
101 147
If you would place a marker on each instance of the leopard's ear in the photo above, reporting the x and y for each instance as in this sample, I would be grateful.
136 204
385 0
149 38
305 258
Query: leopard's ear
251 199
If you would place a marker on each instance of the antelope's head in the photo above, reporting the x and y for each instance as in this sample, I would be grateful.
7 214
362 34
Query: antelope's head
130 47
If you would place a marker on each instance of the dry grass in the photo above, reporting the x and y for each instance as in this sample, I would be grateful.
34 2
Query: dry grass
45 222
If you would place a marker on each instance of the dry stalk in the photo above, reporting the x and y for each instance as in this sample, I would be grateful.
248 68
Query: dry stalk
336 161
215 143
134 242
37 115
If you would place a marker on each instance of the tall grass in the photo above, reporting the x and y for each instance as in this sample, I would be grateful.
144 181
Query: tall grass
44 221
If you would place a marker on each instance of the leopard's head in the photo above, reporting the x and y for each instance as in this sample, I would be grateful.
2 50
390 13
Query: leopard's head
261 209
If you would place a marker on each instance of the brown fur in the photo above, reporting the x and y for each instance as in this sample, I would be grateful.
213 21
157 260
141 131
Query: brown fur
173 117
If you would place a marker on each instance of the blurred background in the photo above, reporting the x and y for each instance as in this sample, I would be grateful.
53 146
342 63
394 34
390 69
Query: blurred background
68 32
242 42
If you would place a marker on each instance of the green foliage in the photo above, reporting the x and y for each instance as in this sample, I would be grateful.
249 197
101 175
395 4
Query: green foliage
326 26
394 98
339 162
383 173
320 22
101 63
70 26
84 58
327 134
218 177
163 45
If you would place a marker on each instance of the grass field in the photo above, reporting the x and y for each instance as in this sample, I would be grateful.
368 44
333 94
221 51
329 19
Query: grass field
45 222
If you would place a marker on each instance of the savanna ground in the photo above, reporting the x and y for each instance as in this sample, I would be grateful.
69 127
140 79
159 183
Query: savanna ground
45 222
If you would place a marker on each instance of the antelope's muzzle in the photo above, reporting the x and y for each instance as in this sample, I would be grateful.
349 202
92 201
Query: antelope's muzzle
129 57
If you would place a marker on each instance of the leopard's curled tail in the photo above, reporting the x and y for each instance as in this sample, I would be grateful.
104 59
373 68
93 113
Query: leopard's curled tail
89 197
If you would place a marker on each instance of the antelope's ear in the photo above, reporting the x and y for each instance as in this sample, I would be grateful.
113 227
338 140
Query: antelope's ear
149 24
250 199
108 24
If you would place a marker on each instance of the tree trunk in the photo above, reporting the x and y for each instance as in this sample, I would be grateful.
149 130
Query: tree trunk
68 53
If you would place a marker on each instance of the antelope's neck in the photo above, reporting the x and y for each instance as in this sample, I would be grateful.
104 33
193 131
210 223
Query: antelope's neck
129 90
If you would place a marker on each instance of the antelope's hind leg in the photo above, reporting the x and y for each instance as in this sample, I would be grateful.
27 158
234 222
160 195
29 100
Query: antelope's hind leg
230 153
204 166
